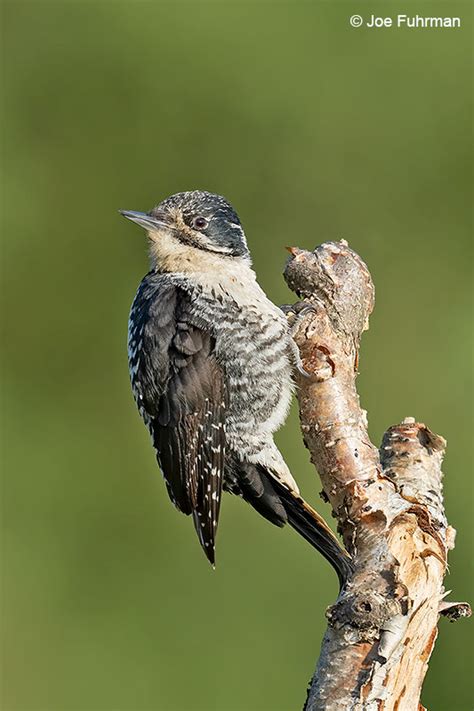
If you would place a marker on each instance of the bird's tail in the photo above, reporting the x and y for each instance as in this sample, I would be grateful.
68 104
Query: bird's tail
311 526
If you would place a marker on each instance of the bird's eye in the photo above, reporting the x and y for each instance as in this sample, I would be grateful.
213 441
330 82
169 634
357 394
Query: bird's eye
199 223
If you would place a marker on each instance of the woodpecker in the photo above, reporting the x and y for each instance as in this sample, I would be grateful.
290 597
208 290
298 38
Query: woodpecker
211 363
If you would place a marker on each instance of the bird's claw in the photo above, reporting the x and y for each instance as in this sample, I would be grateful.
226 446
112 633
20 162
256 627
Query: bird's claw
297 362
304 373
303 307
300 308
296 313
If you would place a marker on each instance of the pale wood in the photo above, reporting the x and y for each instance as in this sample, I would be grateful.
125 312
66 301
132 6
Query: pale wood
389 504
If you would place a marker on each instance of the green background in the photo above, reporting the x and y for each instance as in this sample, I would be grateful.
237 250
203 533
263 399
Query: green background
315 131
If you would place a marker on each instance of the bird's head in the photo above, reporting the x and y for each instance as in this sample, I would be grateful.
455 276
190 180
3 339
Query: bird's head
191 230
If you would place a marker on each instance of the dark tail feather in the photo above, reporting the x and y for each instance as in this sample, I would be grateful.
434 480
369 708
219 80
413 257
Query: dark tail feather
309 524
257 488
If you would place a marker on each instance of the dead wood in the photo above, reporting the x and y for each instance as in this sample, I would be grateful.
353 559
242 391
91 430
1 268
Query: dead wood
388 502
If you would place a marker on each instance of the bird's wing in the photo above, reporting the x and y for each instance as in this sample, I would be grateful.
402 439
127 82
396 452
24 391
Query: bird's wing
180 391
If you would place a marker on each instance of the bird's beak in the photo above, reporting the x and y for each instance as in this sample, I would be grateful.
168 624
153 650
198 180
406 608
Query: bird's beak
148 222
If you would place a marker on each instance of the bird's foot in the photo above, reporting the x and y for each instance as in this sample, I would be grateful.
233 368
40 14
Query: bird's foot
297 362
295 313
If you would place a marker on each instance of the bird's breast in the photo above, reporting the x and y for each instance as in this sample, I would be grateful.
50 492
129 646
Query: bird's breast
253 347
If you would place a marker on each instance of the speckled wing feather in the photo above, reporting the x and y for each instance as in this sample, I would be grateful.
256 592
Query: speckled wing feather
179 388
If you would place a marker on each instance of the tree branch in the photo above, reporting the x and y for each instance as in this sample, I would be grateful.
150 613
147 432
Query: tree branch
389 506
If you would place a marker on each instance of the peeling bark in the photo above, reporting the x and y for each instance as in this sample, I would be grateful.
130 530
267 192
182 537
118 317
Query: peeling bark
388 503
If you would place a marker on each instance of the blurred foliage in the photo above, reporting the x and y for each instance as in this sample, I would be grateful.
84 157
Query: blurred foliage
314 131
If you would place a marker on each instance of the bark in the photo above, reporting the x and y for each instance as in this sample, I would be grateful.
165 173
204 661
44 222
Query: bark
388 503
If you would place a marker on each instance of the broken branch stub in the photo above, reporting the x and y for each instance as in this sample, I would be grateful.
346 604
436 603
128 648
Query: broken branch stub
389 507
